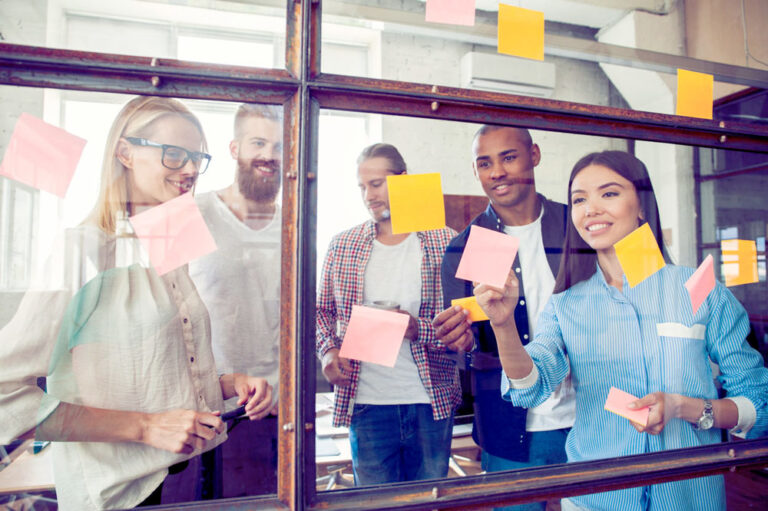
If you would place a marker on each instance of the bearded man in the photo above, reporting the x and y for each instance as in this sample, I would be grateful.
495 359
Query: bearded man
240 285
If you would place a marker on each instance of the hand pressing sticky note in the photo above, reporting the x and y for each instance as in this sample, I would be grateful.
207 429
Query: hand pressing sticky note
374 335
454 12
416 202
739 259
639 255
694 94
470 304
521 32
617 403
701 283
42 155
488 256
173 233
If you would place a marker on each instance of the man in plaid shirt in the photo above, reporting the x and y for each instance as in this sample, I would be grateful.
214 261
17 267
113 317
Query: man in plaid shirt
400 419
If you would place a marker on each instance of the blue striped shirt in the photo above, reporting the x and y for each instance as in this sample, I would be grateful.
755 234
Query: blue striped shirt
607 338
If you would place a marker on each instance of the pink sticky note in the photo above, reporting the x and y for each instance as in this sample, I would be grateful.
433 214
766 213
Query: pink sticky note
488 257
42 155
454 12
173 233
374 335
701 283
617 403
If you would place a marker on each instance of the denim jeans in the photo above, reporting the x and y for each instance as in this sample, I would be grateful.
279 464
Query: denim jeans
392 443
546 448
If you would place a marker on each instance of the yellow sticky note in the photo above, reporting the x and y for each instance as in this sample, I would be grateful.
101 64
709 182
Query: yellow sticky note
416 202
470 303
694 94
739 258
639 255
521 32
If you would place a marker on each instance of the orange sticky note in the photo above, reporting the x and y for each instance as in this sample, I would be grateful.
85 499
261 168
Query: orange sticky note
454 12
739 262
416 202
701 283
694 94
617 402
42 155
470 304
488 256
374 335
639 255
173 233
521 32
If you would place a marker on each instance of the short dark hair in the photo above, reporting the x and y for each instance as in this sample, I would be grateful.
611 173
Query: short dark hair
388 151
579 260
271 112
489 128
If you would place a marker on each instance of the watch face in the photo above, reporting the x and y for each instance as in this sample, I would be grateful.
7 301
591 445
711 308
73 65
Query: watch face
706 422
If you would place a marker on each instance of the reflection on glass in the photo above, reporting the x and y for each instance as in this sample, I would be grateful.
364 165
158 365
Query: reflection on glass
132 386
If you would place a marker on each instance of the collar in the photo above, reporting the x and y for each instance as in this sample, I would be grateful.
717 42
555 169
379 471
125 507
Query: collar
499 223
369 231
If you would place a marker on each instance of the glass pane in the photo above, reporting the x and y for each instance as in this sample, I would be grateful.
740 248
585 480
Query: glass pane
238 33
587 55
141 291
439 412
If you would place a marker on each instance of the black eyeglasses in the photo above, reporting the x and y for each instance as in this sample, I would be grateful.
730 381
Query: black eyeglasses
175 157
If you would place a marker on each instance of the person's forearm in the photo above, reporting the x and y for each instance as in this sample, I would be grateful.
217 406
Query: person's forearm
75 423
725 412
514 359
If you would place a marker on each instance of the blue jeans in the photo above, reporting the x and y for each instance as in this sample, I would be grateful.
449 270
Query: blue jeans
392 443
546 448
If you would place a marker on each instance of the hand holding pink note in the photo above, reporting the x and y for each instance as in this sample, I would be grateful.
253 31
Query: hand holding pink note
488 256
454 12
374 335
173 233
701 283
617 403
42 155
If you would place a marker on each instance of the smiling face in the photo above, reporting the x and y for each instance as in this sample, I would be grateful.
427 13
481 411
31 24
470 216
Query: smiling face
604 206
151 183
372 179
259 155
504 159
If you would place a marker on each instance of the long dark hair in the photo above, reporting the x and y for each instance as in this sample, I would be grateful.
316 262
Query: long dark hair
579 259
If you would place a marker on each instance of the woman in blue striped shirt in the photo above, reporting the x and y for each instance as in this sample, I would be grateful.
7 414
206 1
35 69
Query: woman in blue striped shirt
644 340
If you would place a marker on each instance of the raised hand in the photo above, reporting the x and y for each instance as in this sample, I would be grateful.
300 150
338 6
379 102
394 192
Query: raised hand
453 329
499 304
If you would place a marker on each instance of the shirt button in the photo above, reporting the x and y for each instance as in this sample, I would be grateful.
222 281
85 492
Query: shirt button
517 270
525 336
192 359
185 320
522 302
173 285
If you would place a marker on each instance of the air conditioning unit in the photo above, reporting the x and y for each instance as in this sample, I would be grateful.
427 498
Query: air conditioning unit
511 75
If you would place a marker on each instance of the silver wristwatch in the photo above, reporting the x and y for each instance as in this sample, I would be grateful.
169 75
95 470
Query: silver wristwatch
707 419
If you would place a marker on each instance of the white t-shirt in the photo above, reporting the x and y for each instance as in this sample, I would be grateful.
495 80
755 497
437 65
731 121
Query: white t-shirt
393 273
240 286
559 411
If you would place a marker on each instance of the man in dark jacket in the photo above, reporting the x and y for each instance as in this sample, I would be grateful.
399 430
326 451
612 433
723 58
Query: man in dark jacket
504 159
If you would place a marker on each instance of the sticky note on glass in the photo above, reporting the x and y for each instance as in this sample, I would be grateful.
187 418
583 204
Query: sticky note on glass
42 155
470 304
639 255
488 256
173 233
739 258
701 283
374 335
694 94
454 12
416 202
617 403
521 32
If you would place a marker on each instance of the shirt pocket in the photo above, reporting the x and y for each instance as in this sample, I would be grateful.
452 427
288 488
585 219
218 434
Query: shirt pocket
685 361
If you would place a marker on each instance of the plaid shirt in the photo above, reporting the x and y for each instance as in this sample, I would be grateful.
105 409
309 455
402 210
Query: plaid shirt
341 287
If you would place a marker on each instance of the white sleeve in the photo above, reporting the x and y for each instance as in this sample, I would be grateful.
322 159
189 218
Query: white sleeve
747 416
525 382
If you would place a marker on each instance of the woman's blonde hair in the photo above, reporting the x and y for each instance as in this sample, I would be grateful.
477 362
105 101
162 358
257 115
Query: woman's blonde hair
134 120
